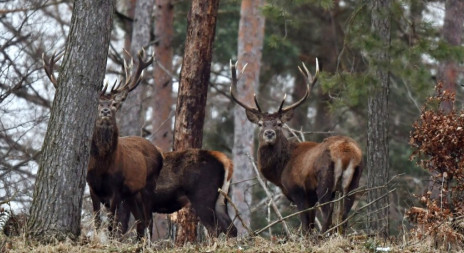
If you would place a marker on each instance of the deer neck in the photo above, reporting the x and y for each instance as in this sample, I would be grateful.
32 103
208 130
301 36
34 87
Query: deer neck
104 141
272 159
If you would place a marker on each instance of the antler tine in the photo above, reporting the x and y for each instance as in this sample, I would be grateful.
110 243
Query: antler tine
49 65
283 101
233 86
256 103
133 80
310 82
105 86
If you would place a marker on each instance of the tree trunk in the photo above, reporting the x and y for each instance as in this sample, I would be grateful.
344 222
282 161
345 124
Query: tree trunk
162 94
250 45
193 87
132 118
162 97
57 202
377 128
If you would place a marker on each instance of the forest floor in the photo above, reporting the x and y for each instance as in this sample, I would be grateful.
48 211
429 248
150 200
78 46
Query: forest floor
351 243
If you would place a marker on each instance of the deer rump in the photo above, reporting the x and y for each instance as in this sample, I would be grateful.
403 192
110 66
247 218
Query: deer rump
193 177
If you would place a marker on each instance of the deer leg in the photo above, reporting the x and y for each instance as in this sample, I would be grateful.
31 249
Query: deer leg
304 202
96 208
147 202
325 195
136 207
123 216
112 219
348 202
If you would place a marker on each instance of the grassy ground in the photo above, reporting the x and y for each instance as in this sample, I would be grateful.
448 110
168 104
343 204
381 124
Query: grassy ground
99 243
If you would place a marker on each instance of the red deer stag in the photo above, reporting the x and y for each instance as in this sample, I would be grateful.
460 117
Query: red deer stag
307 172
193 176
120 168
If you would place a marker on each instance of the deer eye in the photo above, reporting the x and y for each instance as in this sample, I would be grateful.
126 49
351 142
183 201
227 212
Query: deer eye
260 123
279 124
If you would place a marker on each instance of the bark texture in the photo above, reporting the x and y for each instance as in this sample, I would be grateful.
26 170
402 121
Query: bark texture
193 87
378 117
132 113
57 201
162 97
250 45
162 117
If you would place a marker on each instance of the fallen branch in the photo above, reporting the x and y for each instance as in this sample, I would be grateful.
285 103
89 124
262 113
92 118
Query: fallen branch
357 211
356 191
237 214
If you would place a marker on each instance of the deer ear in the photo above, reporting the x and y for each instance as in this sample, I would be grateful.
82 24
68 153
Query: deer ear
252 116
288 115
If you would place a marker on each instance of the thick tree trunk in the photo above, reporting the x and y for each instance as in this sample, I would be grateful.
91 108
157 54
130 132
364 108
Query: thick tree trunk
250 45
132 118
378 117
162 94
57 203
193 87
162 97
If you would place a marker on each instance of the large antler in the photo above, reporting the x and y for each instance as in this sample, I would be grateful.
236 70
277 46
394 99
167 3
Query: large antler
233 70
132 79
49 65
310 82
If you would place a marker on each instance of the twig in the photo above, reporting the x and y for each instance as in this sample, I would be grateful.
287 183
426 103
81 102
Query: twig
357 211
356 191
264 202
269 195
303 133
236 211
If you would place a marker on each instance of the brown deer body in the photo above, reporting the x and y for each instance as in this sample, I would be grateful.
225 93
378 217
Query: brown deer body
193 176
120 169
307 172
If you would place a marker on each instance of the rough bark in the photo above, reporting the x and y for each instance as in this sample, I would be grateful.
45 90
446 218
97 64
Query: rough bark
57 201
162 95
193 87
377 128
132 118
250 45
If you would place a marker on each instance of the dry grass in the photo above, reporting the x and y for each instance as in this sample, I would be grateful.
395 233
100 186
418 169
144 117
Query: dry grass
98 241
334 244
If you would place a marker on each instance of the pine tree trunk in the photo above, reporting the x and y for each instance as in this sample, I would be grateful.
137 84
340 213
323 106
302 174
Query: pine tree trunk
162 97
57 201
250 45
162 117
193 87
378 117
132 113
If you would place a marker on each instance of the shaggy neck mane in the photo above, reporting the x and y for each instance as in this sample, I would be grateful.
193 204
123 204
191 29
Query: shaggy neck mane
272 159
104 141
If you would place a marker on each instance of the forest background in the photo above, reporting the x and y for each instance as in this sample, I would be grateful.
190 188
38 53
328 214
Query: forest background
338 33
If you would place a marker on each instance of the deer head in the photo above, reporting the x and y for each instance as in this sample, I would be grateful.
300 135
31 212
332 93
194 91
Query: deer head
109 103
270 124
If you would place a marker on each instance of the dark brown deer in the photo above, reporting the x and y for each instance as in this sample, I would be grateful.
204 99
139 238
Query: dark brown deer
193 176
120 168
307 172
